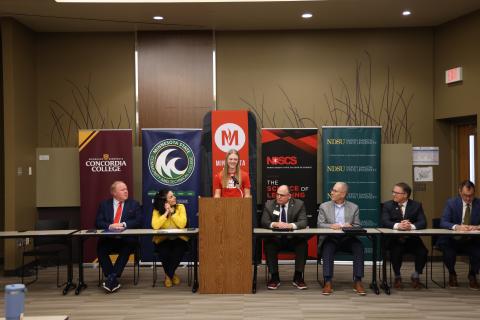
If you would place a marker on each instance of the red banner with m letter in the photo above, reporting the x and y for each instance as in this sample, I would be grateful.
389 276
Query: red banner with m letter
229 131
105 157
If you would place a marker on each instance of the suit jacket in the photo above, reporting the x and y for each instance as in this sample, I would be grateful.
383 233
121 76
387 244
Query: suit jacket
131 214
391 214
326 216
296 213
453 211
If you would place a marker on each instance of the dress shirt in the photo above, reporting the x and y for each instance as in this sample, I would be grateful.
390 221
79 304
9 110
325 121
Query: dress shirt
340 213
464 207
294 226
403 207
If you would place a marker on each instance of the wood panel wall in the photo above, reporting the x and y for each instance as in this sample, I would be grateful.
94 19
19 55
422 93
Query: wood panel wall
175 78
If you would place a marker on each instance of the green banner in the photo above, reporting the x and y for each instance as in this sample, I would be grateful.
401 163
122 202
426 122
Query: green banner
352 155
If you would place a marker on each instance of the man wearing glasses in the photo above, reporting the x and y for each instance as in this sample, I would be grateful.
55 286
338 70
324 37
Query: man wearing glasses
336 214
285 212
402 213
462 213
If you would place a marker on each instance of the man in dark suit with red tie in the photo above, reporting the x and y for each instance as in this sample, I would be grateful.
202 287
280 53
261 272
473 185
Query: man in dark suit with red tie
405 214
115 215
462 213
285 212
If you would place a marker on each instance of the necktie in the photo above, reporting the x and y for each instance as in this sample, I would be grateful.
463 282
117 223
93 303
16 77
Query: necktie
283 214
401 210
466 217
118 214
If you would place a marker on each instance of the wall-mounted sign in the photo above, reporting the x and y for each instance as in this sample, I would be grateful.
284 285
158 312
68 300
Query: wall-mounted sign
425 156
454 75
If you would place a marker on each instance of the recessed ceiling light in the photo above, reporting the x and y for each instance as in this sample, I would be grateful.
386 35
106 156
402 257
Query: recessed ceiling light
307 15
158 18
406 13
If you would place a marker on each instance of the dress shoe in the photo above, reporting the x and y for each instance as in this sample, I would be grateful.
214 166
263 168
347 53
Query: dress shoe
327 288
273 284
358 288
452 280
300 284
176 280
397 284
167 282
472 283
416 284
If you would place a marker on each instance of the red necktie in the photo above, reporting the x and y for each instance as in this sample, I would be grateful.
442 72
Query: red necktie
118 214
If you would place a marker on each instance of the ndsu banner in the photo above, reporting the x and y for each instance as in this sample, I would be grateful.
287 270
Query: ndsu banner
352 155
229 131
289 156
105 156
171 160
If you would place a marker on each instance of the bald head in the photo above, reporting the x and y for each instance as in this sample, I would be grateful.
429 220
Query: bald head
339 192
283 194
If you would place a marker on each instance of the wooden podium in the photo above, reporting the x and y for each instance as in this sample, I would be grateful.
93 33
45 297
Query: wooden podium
225 245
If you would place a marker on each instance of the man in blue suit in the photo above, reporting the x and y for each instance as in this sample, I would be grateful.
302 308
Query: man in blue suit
462 214
116 215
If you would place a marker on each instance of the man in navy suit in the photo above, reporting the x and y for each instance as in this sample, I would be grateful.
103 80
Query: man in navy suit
116 215
462 214
405 214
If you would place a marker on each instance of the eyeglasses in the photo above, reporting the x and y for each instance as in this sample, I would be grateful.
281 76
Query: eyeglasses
337 191
395 192
281 195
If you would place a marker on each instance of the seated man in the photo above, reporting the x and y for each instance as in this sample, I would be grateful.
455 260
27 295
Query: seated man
285 213
116 215
336 214
462 213
404 214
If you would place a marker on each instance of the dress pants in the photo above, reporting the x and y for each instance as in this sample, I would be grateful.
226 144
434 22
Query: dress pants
298 245
123 246
398 246
170 253
463 245
350 244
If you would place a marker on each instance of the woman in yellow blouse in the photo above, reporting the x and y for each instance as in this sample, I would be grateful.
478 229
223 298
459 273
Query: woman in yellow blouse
167 214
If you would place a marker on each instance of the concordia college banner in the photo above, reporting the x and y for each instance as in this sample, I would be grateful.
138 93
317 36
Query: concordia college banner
105 156
229 131
352 155
289 156
171 160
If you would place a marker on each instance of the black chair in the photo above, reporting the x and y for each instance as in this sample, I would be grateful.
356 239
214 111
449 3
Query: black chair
136 266
46 247
436 225
408 255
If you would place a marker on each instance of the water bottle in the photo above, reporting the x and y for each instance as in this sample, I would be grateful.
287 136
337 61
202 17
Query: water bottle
14 301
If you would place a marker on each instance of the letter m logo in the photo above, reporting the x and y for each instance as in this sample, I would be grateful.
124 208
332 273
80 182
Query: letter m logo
229 137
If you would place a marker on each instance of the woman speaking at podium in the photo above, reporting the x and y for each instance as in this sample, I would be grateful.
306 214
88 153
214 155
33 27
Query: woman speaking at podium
231 181
168 214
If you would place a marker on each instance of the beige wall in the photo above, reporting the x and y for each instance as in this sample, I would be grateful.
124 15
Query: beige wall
456 45
86 80
254 67
20 127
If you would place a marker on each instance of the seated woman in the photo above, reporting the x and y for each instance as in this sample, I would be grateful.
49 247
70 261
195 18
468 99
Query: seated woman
167 214
231 181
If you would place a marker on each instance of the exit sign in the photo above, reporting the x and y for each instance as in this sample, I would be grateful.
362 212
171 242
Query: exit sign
454 75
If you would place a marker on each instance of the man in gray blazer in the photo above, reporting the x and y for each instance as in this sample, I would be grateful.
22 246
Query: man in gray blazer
336 214
285 213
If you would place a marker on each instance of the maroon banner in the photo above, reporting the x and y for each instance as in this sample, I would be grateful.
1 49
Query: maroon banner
105 156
